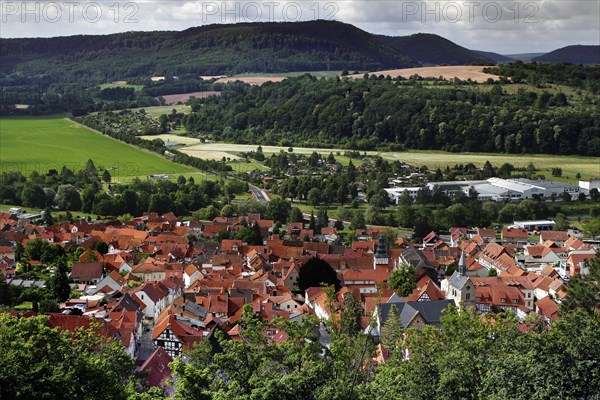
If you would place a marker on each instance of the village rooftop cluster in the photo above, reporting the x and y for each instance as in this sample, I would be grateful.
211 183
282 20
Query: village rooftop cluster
165 284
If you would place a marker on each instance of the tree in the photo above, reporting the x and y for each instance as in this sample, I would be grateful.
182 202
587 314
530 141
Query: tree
102 247
34 249
390 235
392 331
584 290
314 197
592 227
565 196
160 203
68 198
358 220
38 362
106 176
33 196
19 251
351 315
317 272
403 280
59 281
295 215
250 235
278 210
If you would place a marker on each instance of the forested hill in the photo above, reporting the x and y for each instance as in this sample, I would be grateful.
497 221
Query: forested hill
433 49
224 49
578 54
392 115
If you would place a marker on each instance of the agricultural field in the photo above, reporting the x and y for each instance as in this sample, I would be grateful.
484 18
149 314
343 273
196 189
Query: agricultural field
43 143
463 72
318 74
121 84
183 97
261 78
166 137
157 111
588 167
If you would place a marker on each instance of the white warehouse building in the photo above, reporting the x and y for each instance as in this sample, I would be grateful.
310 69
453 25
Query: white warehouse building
498 189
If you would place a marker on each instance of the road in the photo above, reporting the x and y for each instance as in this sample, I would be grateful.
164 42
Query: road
259 194
331 220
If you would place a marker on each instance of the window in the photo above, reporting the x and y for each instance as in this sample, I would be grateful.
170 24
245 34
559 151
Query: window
515 301
468 296
503 300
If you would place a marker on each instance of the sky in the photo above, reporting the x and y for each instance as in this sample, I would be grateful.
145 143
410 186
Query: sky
502 26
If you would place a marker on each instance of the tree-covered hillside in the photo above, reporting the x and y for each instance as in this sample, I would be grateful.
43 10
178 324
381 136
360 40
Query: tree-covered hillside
434 49
578 54
212 49
397 114
31 67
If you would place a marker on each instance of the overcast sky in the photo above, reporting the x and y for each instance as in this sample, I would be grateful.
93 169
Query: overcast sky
503 26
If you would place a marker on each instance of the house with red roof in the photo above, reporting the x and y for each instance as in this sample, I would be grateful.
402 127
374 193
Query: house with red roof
547 309
514 235
576 262
156 368
514 293
89 273
558 237
175 336
155 297
456 234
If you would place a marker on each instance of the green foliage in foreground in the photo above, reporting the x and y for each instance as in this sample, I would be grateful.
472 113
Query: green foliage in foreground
470 358
37 362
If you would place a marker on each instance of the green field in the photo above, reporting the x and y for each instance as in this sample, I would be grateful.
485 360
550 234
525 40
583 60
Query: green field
318 74
121 84
43 143
157 111
588 167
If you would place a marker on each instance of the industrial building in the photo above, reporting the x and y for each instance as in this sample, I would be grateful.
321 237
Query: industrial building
495 189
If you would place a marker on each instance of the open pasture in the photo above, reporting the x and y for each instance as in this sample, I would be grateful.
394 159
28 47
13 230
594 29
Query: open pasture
43 143
183 97
588 167
463 72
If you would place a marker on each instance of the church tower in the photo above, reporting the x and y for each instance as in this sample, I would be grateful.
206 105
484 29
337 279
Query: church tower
381 255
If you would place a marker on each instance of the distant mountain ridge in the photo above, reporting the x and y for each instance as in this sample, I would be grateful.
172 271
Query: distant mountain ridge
576 54
430 49
227 49
499 58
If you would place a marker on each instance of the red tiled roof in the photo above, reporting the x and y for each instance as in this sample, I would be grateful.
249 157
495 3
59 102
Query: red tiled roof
157 367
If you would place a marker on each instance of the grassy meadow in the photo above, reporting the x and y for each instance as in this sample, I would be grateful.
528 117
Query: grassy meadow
43 143
588 167
120 84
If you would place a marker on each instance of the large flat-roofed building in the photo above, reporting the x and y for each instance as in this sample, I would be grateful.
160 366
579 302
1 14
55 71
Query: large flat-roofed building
397 192
452 187
586 186
551 187
541 225
498 189
516 189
